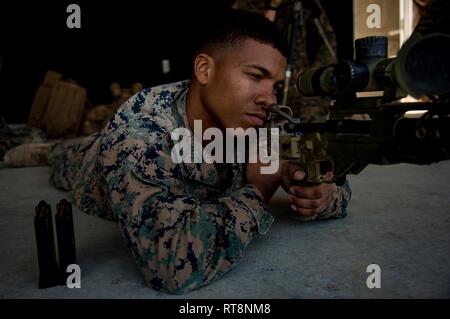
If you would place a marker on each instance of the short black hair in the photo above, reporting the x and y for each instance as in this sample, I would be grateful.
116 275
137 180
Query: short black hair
228 28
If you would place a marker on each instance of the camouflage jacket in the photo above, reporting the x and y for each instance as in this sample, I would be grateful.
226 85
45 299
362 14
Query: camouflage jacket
186 224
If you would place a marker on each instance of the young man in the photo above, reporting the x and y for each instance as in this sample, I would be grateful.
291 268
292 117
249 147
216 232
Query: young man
189 223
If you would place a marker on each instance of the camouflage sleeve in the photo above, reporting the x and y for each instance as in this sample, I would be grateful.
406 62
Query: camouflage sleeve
338 204
179 242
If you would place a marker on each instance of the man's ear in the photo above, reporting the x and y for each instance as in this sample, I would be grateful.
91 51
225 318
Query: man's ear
203 68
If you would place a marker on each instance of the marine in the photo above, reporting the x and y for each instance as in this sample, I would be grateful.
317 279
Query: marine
187 224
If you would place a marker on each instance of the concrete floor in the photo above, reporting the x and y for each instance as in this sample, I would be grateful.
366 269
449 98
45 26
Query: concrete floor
399 219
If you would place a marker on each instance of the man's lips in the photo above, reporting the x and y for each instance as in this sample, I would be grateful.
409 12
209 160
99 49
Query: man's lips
257 119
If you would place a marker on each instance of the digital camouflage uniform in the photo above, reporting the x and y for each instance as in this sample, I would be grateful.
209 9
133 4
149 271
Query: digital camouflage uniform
14 136
186 224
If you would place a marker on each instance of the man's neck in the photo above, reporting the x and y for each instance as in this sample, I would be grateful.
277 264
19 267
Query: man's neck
195 110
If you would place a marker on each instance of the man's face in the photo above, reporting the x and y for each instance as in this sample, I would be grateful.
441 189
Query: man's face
243 83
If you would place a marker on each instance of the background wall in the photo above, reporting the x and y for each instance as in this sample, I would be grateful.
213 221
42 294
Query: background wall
118 41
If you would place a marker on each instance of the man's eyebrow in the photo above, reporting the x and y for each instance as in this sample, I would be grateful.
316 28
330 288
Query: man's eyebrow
264 71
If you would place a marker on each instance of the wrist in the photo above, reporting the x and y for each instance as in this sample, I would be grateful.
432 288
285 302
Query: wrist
267 191
267 184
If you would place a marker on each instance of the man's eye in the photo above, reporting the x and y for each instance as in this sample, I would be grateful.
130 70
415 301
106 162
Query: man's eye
256 76
277 90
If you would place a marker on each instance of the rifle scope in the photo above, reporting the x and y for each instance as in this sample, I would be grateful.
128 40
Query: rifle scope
422 68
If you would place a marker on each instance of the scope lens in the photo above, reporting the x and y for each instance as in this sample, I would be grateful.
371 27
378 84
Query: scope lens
427 67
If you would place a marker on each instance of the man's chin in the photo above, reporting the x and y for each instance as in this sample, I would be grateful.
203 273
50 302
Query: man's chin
246 126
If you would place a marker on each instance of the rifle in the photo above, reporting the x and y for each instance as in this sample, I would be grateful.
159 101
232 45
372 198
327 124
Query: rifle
380 129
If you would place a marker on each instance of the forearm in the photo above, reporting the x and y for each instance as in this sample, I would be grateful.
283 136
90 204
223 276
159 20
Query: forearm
181 244
270 14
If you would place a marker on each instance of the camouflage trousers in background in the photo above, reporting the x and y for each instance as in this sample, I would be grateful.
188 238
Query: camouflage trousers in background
11 136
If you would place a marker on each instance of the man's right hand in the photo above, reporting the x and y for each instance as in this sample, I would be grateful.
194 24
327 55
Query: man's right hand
305 200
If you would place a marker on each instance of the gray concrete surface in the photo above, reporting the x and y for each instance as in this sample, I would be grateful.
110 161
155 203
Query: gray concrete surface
399 219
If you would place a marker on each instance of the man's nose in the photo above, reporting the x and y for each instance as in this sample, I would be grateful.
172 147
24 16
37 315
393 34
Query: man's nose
266 99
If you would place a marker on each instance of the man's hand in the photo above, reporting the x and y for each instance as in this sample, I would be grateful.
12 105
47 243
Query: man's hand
272 13
309 200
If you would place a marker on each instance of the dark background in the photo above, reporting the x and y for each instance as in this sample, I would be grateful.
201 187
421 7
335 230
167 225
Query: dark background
121 41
